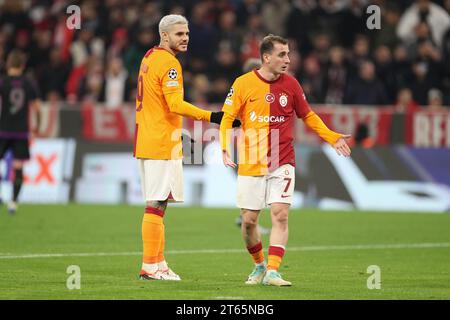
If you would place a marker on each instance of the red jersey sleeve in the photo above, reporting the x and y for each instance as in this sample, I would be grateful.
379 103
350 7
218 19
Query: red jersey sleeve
301 105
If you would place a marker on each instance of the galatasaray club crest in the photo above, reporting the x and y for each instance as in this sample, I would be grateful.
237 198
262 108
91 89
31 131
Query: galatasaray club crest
270 97
283 100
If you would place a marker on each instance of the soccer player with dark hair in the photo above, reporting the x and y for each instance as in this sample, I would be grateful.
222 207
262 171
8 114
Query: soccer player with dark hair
267 101
17 96
159 109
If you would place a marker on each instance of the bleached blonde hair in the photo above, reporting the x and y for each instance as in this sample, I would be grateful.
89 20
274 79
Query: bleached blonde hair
168 21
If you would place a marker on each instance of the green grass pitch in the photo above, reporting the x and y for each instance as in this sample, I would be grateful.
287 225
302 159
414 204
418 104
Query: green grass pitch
327 256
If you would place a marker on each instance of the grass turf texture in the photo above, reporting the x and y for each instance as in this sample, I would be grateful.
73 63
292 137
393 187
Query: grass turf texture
329 273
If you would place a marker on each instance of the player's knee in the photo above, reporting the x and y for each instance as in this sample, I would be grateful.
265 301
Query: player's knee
249 222
280 216
161 205
282 221
18 175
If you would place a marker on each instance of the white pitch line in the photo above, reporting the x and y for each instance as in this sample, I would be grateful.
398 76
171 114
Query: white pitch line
206 251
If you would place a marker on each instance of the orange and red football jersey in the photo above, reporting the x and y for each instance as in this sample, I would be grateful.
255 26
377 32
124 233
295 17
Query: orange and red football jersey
160 106
158 134
267 110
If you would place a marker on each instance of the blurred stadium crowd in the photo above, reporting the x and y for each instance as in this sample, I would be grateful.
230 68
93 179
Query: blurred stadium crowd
336 58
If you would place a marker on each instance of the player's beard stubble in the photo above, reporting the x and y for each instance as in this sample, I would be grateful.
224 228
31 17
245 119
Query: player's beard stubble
178 47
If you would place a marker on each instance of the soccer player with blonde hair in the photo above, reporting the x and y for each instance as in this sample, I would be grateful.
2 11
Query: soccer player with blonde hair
160 108
267 100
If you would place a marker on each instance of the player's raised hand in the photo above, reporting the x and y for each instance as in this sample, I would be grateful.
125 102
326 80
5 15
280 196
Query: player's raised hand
227 160
341 146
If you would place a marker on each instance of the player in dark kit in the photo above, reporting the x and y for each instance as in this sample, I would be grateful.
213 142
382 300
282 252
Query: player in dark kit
17 95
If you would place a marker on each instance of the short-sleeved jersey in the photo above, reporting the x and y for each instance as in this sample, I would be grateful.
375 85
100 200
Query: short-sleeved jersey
158 131
267 110
16 92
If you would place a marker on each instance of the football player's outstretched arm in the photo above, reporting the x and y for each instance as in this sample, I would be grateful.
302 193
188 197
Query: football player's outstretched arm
177 105
337 140
312 120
